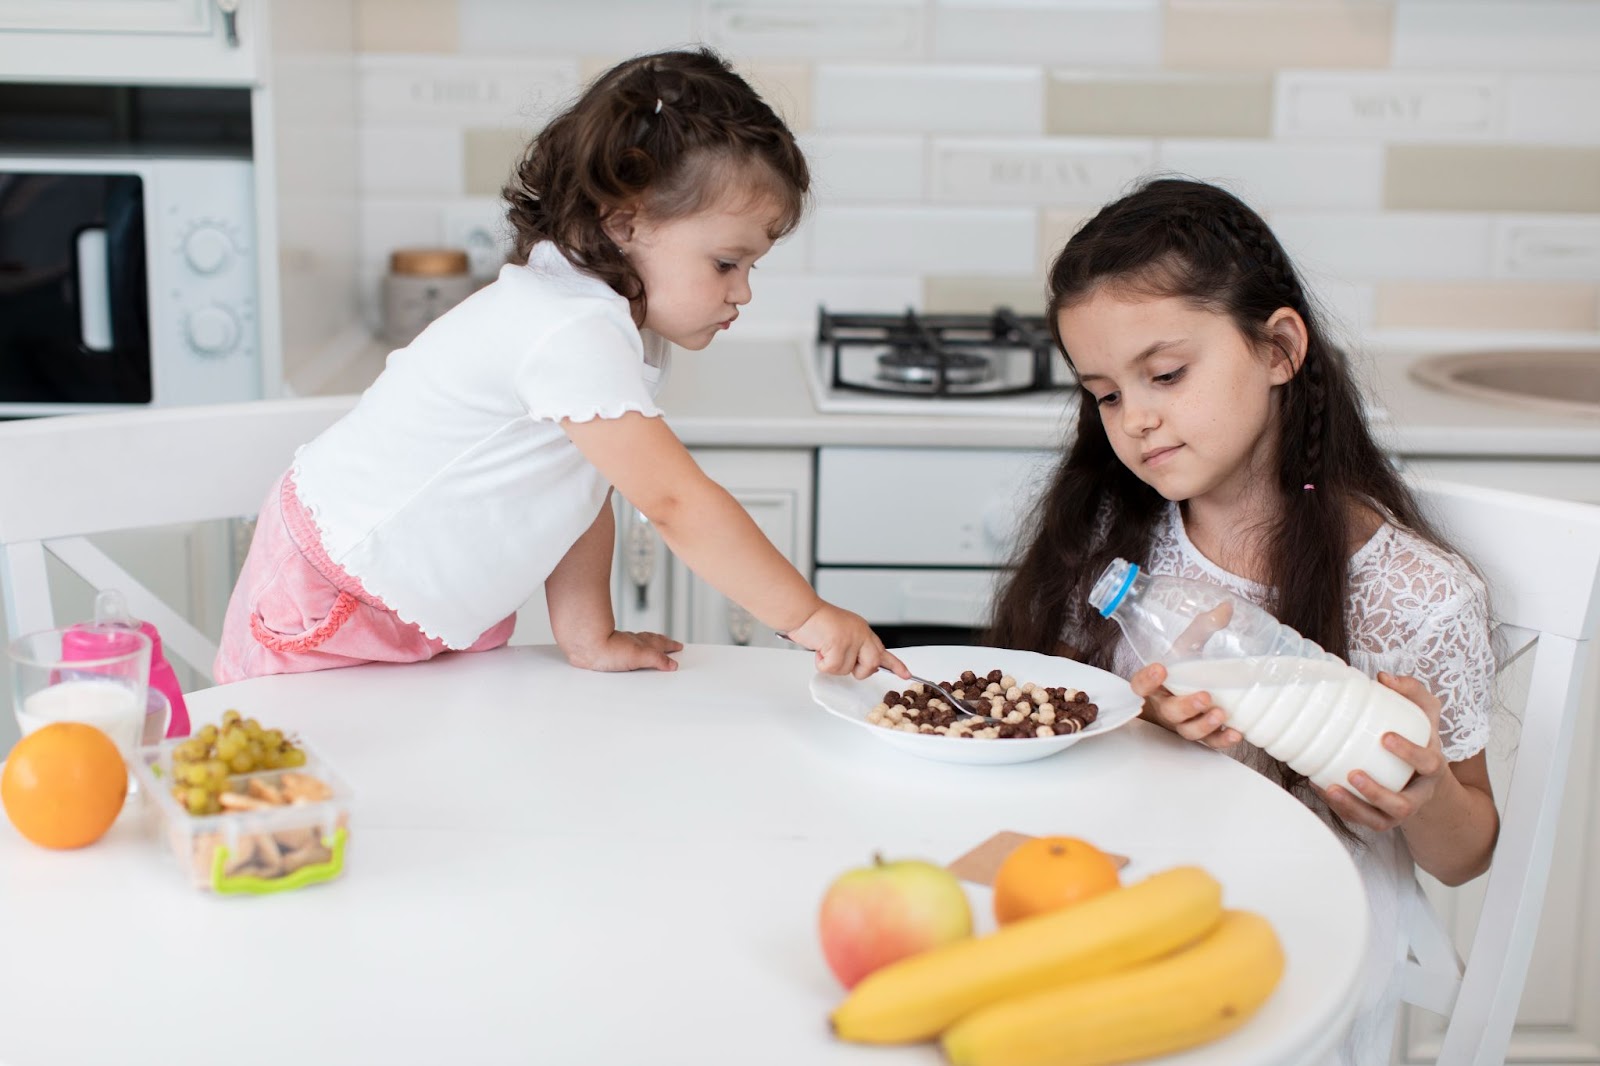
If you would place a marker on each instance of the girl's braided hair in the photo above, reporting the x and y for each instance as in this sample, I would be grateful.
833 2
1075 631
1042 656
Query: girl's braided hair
1196 242
669 135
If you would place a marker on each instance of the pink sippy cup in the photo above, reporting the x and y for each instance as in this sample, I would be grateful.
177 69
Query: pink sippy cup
110 611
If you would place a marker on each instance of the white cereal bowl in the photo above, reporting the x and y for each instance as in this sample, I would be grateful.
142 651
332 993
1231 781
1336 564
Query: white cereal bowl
851 700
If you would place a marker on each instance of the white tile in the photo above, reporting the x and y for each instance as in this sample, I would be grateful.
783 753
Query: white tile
847 166
787 306
860 29
925 240
1079 33
410 159
792 255
465 90
1348 307
1390 106
563 28
1553 108
1271 175
1358 246
1543 247
929 99
1037 170
1541 35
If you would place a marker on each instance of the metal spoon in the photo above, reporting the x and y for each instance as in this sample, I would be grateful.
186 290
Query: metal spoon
960 706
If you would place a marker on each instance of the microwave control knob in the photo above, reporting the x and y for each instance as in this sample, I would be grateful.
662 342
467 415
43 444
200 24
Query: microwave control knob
213 330
207 249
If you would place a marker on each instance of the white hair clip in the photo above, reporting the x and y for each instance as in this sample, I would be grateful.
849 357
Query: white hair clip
658 105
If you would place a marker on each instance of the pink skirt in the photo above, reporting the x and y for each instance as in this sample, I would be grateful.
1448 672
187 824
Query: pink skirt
294 609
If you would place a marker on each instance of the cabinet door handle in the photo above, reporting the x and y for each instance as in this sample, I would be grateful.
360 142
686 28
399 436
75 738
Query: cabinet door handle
640 552
230 20
741 625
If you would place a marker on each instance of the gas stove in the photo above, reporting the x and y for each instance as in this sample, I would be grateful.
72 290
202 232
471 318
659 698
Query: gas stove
1000 363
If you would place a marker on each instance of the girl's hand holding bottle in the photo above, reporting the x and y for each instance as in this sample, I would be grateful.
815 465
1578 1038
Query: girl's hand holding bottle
1385 809
1193 717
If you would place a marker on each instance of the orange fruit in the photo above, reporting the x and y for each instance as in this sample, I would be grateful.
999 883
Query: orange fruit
1048 873
64 785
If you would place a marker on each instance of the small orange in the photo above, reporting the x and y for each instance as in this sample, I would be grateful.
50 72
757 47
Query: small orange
1047 873
64 785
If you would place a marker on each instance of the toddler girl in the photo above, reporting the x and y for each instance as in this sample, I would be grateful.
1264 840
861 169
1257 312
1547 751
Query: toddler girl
479 465
1220 437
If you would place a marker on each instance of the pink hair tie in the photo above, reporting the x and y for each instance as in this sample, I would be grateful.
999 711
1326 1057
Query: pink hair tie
1307 487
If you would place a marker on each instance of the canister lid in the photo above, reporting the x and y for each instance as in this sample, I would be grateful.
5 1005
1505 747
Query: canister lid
428 262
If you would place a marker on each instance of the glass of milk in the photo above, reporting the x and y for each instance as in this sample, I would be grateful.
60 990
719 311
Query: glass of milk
92 674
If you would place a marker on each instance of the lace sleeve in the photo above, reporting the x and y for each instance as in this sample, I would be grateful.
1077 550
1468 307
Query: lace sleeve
1450 649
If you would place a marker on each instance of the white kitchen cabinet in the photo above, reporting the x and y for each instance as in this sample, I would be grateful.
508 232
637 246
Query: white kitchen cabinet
129 41
655 591
1559 1019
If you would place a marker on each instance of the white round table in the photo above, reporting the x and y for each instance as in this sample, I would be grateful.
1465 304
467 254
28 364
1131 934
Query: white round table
558 867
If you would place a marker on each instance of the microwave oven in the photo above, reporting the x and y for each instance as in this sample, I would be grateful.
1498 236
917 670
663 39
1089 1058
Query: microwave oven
126 281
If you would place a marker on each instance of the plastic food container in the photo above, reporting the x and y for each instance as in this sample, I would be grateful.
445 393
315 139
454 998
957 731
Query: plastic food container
272 848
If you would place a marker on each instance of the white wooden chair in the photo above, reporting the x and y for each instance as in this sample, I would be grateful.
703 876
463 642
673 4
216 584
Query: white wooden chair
68 477
1541 558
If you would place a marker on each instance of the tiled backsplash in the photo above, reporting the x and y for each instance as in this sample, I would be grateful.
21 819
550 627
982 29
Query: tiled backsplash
1430 163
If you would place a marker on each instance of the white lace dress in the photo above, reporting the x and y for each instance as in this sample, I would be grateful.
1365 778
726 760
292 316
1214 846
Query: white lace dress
1414 610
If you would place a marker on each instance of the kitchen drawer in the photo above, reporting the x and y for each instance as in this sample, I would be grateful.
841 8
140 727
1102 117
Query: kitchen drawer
924 506
911 597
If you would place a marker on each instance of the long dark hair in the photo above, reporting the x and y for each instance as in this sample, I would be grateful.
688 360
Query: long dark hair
1186 239
670 133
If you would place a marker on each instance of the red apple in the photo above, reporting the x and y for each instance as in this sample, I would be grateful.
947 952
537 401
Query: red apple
878 914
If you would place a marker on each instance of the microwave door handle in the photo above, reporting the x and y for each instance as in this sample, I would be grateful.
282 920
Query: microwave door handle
94 289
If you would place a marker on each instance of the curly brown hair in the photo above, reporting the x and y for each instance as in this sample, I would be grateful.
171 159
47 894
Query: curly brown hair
668 135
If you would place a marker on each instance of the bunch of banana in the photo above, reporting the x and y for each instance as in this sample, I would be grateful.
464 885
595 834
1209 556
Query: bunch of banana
1137 971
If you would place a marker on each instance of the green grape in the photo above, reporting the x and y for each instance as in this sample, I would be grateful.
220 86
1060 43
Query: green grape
191 750
231 744
198 800
218 771
230 717
272 738
207 735
252 726
292 758
242 763
194 773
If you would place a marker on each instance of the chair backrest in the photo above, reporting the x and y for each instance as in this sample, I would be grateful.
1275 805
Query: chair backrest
66 477
1541 559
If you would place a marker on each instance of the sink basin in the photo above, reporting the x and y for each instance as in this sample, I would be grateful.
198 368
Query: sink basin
1560 381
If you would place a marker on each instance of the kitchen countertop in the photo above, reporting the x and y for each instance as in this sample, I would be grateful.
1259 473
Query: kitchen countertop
755 393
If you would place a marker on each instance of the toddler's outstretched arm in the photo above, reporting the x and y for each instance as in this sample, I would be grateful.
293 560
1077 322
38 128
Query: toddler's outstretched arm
706 528
578 592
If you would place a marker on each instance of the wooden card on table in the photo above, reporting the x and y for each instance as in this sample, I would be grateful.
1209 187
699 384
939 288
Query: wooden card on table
980 864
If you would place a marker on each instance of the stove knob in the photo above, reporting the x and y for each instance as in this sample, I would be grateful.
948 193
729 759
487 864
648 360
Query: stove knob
213 330
207 249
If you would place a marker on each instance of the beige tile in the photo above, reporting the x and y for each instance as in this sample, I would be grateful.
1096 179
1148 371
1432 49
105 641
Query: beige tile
487 158
1056 227
1488 305
407 26
1488 178
1024 295
1175 105
1274 35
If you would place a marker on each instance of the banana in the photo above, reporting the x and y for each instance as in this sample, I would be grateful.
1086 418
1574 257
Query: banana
1189 997
919 997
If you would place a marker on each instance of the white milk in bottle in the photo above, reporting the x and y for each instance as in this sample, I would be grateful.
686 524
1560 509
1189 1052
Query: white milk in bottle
106 705
1323 717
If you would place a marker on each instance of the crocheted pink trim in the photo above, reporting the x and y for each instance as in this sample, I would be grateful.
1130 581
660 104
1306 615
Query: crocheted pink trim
343 607
303 531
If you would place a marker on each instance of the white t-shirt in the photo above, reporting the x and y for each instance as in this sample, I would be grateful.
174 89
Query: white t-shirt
1413 610
450 491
